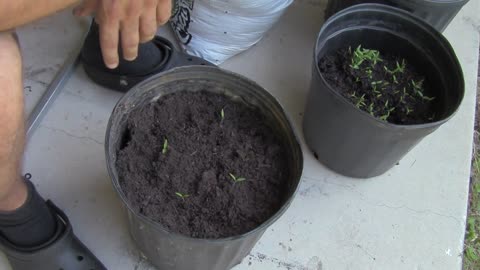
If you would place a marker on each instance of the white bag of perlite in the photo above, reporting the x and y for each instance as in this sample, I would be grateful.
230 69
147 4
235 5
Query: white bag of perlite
219 29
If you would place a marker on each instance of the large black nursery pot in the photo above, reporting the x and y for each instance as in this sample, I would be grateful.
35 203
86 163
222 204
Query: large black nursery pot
171 251
438 13
351 141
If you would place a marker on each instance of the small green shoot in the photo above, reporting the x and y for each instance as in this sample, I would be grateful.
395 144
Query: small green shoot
361 55
222 115
400 68
369 73
428 98
360 102
182 196
394 78
370 109
165 146
237 179
375 87
418 89
387 70
417 85
387 114
409 111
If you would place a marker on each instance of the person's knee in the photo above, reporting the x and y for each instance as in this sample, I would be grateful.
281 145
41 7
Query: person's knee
9 51
11 98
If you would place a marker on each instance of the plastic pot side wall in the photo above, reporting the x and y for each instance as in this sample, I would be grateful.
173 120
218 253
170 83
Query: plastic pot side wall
171 251
438 13
350 141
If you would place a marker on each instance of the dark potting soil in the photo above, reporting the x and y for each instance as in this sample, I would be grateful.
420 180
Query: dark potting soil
198 175
382 84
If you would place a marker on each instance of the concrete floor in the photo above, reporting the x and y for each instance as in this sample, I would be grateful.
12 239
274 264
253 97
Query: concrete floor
413 217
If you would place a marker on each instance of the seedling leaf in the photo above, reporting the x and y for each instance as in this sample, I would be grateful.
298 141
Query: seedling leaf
182 196
236 179
165 146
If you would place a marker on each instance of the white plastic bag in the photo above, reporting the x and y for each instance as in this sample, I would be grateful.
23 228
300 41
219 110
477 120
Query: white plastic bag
219 29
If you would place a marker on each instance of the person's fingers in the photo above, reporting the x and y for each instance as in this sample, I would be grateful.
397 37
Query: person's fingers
87 7
164 11
109 27
130 39
109 35
148 21
130 28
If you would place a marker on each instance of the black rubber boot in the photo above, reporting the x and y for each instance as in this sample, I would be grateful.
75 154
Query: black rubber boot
64 251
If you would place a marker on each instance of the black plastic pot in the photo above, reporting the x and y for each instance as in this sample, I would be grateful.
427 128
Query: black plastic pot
171 251
351 141
439 13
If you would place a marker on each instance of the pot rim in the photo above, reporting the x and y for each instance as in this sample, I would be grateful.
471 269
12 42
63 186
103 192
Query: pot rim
157 226
424 26
438 2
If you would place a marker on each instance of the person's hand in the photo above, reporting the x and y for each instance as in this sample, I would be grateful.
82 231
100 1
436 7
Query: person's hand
127 21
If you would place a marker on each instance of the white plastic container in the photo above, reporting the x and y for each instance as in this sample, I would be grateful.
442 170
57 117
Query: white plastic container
219 29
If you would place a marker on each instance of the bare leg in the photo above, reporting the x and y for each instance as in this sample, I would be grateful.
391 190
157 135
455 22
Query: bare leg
27 223
13 191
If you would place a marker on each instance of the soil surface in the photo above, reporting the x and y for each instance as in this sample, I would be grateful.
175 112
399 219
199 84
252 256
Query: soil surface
200 172
384 85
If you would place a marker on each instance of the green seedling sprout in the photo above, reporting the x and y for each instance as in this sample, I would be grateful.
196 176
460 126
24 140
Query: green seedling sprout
222 114
375 85
370 108
360 102
389 111
428 98
369 73
165 146
236 179
182 196
387 115
417 85
400 68
409 111
361 55
394 78
418 88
